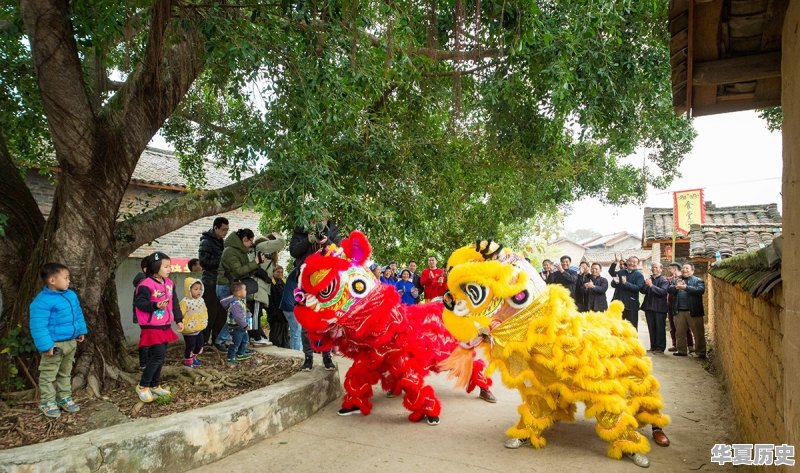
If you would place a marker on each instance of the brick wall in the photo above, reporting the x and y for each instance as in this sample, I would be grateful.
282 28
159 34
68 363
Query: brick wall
748 336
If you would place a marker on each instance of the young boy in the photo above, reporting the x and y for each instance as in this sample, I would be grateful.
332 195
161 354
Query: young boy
195 319
238 321
57 325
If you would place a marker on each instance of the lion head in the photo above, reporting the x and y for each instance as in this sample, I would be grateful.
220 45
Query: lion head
488 284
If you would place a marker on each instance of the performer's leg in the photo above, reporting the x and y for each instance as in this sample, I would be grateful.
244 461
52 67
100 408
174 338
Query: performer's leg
535 417
358 387
619 430
419 398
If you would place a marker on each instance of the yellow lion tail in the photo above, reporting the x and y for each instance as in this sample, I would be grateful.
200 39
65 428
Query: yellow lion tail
459 366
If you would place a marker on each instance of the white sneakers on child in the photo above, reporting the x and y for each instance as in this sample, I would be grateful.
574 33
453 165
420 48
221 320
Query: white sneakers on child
145 395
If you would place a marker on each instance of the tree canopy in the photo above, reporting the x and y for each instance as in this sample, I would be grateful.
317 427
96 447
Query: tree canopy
423 123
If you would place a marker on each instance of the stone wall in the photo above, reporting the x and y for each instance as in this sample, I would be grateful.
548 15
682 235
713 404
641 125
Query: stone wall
748 348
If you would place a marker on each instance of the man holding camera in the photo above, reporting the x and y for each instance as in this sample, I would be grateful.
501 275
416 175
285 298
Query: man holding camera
306 242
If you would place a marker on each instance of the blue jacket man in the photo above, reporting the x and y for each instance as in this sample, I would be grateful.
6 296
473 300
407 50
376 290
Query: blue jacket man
626 283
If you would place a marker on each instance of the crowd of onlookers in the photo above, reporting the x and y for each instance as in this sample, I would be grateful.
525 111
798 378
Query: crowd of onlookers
674 298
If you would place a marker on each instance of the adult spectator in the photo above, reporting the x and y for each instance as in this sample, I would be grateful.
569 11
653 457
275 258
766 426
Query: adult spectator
595 289
386 276
235 265
688 290
304 243
376 270
655 308
432 280
405 287
627 283
564 275
270 246
209 254
547 269
674 272
580 286
278 325
395 276
412 268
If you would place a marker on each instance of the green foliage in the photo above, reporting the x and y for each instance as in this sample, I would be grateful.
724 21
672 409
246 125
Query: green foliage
773 116
3 222
350 107
15 344
165 400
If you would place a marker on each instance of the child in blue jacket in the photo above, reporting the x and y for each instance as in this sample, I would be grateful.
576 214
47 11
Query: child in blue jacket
57 326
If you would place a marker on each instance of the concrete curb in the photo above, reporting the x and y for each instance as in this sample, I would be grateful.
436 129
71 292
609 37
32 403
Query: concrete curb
186 440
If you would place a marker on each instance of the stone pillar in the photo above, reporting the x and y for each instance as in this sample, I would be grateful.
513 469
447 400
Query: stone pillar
790 74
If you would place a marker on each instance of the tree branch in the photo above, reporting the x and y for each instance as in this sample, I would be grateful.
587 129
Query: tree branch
154 90
58 70
145 227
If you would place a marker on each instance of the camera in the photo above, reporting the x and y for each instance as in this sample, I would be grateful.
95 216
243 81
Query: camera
321 232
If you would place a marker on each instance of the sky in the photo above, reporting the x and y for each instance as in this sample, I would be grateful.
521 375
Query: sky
735 159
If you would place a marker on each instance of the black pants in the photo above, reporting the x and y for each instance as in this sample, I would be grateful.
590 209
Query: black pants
309 352
194 345
143 356
151 377
631 316
216 314
657 327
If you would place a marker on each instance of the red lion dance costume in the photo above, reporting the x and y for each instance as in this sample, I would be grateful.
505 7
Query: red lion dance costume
342 306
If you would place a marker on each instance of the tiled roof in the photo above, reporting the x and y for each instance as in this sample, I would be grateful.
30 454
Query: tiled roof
757 272
159 167
658 222
730 239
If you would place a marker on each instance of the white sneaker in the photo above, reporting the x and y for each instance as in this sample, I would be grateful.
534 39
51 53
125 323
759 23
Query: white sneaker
159 391
515 443
639 459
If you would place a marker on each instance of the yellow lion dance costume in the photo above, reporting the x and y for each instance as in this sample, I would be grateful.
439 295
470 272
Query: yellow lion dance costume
554 355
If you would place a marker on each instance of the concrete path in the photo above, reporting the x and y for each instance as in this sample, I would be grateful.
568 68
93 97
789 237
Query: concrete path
471 435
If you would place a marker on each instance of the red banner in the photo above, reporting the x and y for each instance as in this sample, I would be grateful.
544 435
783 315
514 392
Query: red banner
689 209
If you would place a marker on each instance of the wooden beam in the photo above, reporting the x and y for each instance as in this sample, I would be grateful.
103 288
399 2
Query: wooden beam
737 69
734 106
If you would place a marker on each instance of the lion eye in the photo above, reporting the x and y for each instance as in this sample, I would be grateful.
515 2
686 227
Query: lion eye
358 286
476 293
326 293
520 300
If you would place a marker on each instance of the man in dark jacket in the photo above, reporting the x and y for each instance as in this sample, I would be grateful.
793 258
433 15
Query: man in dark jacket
627 283
655 308
564 276
210 252
595 289
304 243
688 292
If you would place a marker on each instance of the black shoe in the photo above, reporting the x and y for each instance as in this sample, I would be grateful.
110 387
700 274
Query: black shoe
702 356
221 347
328 363
308 364
433 420
348 411
677 353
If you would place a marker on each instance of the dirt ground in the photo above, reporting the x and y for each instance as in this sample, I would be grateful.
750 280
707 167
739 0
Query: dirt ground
23 424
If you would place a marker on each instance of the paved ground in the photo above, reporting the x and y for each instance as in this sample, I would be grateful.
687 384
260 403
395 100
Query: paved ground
471 435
